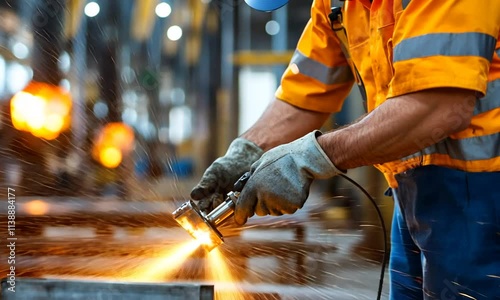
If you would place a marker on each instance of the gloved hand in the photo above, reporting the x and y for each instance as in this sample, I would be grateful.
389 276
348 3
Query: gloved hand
219 178
280 180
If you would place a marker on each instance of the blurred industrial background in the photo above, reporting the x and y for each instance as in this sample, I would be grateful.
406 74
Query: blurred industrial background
110 112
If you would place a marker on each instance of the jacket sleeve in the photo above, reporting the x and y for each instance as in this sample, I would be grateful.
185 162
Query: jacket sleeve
447 43
318 77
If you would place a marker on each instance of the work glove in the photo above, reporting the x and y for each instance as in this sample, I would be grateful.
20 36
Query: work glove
280 180
219 178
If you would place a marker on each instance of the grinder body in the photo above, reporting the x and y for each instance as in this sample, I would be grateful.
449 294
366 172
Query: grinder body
204 227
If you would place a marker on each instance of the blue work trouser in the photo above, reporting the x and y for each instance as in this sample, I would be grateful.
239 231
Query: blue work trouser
446 235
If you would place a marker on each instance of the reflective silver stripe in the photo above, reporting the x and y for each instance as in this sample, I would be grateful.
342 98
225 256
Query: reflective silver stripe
491 100
321 72
473 148
498 52
446 44
405 3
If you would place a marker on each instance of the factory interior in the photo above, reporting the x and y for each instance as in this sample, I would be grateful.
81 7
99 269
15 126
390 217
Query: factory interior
111 110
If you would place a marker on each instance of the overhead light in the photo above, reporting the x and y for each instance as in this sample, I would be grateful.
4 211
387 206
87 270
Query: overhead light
177 96
163 10
272 27
129 116
42 109
65 84
20 50
64 62
100 110
113 142
21 74
180 128
174 33
92 9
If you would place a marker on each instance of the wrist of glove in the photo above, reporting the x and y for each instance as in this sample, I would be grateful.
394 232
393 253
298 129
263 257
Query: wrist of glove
220 176
281 178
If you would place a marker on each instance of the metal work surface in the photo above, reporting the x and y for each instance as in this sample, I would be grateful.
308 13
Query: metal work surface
301 256
53 289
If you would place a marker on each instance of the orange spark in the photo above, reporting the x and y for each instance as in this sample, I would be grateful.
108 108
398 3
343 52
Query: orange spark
220 273
170 262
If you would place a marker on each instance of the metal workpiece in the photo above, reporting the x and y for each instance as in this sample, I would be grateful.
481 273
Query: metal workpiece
53 289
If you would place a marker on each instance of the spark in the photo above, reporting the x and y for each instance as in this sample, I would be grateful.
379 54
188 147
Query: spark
219 272
203 237
465 295
170 262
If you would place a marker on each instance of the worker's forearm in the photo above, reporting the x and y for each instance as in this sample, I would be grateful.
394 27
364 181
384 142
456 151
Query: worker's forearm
282 123
399 127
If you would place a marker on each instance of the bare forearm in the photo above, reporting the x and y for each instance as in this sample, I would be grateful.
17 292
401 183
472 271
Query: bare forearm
399 127
282 123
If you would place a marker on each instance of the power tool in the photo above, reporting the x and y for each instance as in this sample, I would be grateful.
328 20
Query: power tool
204 227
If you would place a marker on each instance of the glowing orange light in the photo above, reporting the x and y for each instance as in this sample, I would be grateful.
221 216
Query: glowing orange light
110 157
42 109
113 142
37 207
224 280
54 123
120 135
170 262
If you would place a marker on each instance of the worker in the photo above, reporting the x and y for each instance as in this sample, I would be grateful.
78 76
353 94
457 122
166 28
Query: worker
430 71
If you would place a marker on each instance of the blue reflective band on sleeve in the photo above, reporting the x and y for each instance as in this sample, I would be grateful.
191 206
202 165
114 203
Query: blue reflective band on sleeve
467 149
491 100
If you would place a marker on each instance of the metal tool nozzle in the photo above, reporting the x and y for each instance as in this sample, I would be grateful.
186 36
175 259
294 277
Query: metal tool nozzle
204 227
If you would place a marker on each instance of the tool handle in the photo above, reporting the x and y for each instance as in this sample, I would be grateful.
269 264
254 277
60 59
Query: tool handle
226 208
238 186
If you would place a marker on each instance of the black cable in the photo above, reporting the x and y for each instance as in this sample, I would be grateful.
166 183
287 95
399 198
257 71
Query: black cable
382 223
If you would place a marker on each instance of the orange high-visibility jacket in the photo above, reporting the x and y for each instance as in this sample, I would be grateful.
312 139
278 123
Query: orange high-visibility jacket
405 46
